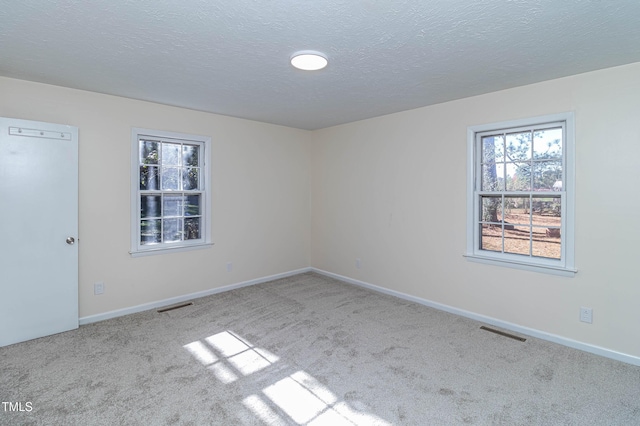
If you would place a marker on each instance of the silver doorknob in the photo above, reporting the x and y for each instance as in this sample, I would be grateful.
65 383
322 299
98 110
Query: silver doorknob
71 240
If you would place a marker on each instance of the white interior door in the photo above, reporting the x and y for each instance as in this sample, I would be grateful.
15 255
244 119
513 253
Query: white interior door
38 229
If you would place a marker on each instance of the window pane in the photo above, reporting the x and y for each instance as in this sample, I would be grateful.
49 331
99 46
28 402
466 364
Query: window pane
517 225
170 154
170 180
517 211
547 175
493 149
518 146
190 154
150 231
172 230
517 241
547 218
172 205
149 178
150 206
491 209
547 243
547 211
192 228
148 152
493 177
192 207
518 176
190 179
547 144
491 238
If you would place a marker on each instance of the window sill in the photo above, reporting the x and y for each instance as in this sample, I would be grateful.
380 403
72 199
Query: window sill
545 269
167 250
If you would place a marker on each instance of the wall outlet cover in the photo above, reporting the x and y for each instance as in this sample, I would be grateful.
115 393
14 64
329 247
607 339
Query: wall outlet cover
98 288
586 315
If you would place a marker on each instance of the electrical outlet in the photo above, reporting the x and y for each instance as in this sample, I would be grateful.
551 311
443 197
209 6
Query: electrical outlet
98 288
586 315
358 263
229 266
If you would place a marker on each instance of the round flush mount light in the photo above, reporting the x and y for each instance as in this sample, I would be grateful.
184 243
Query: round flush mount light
309 60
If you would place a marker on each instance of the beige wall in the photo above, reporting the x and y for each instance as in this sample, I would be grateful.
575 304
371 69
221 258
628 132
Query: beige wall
391 191
260 182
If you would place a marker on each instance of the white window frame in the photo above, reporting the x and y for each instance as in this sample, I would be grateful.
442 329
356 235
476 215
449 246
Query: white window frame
564 266
138 249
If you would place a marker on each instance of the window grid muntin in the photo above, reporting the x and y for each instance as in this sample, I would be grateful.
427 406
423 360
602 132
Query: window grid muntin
480 192
162 192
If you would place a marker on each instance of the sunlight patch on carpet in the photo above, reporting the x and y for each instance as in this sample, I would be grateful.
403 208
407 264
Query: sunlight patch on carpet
226 354
295 395
299 397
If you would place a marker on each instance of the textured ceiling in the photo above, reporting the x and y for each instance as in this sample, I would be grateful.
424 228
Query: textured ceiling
232 56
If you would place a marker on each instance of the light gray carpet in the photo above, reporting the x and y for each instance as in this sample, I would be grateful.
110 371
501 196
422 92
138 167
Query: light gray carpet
309 350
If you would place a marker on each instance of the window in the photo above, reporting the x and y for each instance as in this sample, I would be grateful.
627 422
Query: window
520 195
170 192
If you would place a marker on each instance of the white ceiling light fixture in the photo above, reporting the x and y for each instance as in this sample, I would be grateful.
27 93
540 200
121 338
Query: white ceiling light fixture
309 60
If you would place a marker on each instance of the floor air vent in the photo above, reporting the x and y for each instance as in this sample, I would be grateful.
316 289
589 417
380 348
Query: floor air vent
502 333
171 308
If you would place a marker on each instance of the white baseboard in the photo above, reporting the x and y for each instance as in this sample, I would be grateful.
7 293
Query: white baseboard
597 350
173 300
